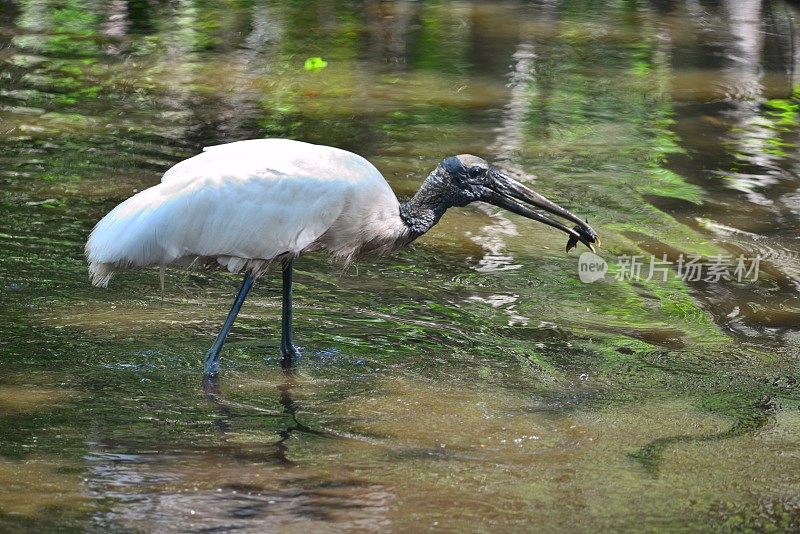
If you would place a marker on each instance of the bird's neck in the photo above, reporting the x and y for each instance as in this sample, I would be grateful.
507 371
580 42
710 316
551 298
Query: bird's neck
425 208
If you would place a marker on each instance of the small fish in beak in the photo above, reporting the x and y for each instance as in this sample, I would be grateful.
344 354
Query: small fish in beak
587 233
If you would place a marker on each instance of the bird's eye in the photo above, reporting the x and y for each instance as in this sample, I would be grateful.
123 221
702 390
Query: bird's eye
474 172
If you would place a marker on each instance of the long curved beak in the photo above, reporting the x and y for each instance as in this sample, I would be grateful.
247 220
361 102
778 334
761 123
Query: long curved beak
509 194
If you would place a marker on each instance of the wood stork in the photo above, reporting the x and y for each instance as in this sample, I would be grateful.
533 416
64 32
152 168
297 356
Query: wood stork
245 205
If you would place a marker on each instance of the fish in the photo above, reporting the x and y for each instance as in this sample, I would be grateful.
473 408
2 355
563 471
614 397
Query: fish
587 233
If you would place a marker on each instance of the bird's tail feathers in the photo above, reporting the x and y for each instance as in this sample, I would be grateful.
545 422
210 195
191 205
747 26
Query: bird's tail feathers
100 273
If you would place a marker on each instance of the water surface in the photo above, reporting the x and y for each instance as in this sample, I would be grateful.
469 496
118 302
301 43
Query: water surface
471 382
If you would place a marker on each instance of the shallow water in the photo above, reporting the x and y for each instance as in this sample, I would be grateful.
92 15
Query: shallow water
472 381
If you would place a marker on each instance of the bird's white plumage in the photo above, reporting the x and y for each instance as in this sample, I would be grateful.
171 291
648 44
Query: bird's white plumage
244 204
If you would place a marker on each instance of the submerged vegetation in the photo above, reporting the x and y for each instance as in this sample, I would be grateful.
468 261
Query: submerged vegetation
470 380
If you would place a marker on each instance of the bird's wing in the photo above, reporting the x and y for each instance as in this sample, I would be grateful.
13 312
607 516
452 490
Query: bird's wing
283 156
252 202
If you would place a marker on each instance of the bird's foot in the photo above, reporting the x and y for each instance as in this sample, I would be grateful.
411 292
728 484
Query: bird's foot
211 385
211 365
290 355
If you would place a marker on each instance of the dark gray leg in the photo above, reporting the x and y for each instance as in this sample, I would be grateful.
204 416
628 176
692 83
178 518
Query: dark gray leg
288 350
211 366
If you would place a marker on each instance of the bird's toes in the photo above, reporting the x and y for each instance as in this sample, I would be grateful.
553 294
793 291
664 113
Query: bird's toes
290 354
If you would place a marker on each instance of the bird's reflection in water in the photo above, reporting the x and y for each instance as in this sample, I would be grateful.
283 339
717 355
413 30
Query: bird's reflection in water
236 486
211 388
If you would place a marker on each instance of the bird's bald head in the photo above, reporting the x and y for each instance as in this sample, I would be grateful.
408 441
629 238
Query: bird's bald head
464 165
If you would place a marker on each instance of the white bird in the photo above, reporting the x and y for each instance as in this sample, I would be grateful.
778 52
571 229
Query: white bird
244 205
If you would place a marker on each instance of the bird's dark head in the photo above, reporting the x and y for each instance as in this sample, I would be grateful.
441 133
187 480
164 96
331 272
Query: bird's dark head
462 178
466 178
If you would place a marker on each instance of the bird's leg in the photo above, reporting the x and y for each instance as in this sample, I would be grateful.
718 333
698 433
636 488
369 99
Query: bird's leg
288 350
211 366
